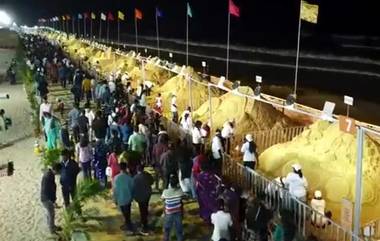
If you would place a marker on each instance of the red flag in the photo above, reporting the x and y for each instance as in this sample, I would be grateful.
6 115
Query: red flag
110 16
138 14
86 15
233 9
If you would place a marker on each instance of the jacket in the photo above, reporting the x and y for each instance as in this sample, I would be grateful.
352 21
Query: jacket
69 173
143 181
48 187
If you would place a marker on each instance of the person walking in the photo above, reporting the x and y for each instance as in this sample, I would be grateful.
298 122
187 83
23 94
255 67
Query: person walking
217 150
49 195
250 152
172 197
100 162
83 124
86 89
99 126
73 117
174 109
68 179
137 142
141 195
123 193
168 164
227 134
197 138
84 156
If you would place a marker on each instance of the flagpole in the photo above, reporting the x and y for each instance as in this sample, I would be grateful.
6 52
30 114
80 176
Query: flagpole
298 52
108 29
84 26
78 27
100 28
158 36
73 25
118 30
137 41
187 37
91 27
228 43
67 27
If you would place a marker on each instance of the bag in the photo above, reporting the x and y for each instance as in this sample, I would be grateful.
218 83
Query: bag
109 172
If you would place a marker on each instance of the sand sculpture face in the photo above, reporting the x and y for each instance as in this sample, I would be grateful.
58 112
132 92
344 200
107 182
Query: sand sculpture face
328 158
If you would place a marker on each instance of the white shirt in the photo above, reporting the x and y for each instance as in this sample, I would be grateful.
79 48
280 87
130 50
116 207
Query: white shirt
159 102
148 84
248 156
227 130
297 186
142 100
90 116
318 217
112 86
222 221
187 124
173 106
45 107
197 138
124 77
216 146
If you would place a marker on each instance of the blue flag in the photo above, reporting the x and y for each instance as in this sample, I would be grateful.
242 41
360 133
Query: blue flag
159 13
80 16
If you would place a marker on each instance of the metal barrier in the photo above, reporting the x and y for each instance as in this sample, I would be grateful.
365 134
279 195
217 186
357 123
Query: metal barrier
266 139
279 198
371 230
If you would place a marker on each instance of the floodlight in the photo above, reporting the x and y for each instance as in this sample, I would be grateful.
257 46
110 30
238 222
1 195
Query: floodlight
204 64
170 55
5 19
290 100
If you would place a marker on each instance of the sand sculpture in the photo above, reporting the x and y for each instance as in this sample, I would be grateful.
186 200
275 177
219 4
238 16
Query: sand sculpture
249 115
328 157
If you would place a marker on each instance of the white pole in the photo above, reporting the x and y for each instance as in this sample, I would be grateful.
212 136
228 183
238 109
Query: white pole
209 105
137 41
84 27
118 30
108 30
190 93
187 39
100 29
358 182
158 36
298 52
78 28
91 27
73 25
228 43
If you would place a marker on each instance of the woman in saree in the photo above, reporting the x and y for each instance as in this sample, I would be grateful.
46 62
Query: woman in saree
206 187
51 128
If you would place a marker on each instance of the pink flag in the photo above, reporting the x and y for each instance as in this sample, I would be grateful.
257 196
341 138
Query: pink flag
233 9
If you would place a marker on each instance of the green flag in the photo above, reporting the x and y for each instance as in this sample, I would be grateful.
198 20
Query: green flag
189 13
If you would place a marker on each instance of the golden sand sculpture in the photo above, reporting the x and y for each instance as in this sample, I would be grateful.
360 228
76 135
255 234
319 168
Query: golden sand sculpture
328 158
326 154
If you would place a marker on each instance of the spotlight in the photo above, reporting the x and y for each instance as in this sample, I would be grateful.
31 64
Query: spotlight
290 100
5 19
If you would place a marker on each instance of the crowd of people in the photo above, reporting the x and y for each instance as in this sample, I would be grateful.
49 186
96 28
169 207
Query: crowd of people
112 135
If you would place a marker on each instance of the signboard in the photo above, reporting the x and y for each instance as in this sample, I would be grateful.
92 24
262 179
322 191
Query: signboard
346 214
259 79
328 110
348 100
347 124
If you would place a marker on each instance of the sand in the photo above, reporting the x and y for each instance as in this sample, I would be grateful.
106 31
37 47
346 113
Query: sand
328 157
22 216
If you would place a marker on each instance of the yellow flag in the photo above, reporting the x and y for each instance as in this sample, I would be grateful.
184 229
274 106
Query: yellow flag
120 15
309 12
93 16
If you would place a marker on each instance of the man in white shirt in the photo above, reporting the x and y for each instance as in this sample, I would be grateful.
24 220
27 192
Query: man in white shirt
174 109
217 150
227 134
222 221
112 86
197 137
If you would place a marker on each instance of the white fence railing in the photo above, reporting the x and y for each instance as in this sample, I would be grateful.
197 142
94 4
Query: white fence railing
279 198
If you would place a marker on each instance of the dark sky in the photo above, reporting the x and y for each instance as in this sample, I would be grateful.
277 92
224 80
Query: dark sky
258 17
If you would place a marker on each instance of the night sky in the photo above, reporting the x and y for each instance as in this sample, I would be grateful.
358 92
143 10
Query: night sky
259 18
